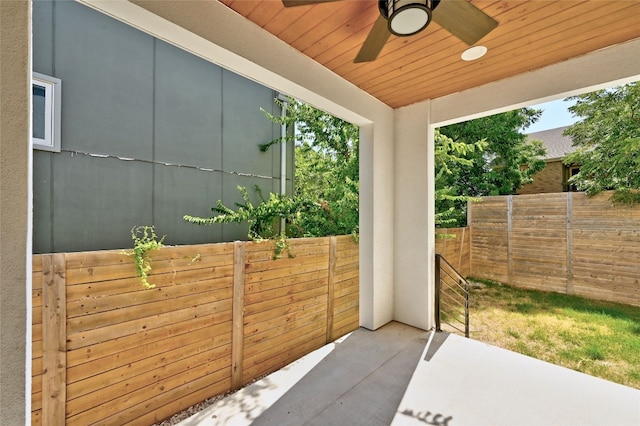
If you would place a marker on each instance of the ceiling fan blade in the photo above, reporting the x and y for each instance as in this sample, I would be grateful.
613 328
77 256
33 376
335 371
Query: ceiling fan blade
293 3
375 41
463 20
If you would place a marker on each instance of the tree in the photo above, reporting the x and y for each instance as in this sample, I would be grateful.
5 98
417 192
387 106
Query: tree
327 170
325 200
608 141
508 161
448 156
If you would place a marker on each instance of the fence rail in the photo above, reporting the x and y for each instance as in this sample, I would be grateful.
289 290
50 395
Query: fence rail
107 351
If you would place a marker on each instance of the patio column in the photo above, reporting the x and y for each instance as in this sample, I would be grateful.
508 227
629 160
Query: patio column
376 224
15 212
414 216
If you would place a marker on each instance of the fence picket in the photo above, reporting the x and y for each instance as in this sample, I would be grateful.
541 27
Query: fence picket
54 358
330 287
237 346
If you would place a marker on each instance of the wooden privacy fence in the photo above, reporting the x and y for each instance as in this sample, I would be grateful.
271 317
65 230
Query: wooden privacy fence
106 351
563 242
455 248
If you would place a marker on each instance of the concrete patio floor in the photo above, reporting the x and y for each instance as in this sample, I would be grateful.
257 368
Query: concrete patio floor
403 376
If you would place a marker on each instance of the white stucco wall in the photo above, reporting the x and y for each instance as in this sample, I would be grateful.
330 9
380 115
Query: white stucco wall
15 212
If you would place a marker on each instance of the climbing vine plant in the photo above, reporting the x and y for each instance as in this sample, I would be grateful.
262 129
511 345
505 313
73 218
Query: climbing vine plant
260 217
145 240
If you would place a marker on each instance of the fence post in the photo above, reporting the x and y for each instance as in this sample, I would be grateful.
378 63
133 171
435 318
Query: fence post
466 306
437 293
330 287
469 222
54 338
237 337
460 268
569 242
509 240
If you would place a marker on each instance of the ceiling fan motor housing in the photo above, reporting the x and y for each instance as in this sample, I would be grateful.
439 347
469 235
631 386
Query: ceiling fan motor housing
407 17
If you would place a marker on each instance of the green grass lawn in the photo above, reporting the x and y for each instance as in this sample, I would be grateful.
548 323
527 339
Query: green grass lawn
598 338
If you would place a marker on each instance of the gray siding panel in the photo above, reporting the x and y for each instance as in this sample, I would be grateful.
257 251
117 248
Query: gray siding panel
243 133
179 191
245 126
42 13
106 69
101 200
142 103
42 201
188 109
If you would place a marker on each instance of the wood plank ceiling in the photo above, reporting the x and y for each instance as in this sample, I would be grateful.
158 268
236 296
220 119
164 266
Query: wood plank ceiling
530 35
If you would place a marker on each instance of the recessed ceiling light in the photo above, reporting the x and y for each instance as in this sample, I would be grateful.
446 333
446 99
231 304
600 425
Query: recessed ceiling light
473 53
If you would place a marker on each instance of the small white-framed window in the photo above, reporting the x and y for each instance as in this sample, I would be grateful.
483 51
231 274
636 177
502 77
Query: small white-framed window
46 105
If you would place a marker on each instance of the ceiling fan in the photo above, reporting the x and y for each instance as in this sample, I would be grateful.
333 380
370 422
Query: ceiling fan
408 17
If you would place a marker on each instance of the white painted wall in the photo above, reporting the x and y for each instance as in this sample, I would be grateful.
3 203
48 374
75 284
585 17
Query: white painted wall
607 67
376 226
413 229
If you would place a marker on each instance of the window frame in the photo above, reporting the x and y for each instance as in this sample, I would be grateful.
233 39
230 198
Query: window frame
53 105
569 172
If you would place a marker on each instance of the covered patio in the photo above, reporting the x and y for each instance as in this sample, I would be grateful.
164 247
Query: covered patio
397 101
401 375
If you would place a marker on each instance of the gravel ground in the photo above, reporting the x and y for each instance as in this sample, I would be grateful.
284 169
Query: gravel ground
177 418
185 414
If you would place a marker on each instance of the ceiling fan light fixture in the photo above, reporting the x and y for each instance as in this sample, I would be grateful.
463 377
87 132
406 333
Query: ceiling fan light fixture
408 17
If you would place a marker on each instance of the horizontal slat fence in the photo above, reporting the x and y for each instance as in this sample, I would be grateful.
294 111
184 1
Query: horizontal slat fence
455 247
489 225
538 242
107 351
36 342
606 254
564 242
345 290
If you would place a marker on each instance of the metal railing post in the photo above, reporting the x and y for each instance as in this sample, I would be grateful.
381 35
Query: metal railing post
437 295
451 291
466 308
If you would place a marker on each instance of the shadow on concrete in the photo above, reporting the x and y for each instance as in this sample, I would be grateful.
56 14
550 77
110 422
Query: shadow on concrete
361 382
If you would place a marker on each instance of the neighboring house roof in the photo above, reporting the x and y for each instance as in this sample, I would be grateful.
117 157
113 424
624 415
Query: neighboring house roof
557 145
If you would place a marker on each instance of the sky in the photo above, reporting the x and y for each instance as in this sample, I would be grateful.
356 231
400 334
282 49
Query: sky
555 115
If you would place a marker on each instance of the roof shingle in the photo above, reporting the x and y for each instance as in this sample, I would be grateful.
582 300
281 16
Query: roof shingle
557 145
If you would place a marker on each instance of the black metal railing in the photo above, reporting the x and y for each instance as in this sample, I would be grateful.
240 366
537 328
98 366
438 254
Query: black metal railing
451 297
